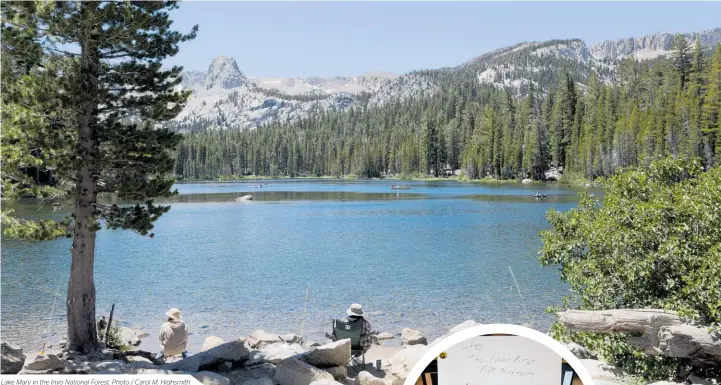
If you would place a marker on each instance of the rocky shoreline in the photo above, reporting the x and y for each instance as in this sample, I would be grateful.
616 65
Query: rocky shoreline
265 358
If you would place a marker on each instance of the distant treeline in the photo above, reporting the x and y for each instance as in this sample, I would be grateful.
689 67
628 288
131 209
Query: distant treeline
659 108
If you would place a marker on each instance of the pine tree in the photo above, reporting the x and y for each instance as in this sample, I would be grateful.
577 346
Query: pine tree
97 65
711 110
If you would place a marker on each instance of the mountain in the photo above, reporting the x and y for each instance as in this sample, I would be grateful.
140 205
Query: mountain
650 46
224 97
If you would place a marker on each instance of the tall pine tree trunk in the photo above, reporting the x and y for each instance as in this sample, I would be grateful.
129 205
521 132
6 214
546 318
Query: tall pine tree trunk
82 335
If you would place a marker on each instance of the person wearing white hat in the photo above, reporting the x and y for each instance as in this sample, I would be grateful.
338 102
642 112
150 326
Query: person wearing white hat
355 312
173 335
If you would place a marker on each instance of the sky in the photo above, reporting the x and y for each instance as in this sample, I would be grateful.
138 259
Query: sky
298 39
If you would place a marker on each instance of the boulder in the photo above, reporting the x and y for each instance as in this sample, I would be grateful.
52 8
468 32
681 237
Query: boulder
310 344
326 382
225 367
385 336
325 356
210 378
403 361
463 325
260 339
234 351
103 367
338 372
244 198
49 362
12 359
259 381
696 380
413 337
131 336
296 372
154 372
211 342
275 353
290 338
527 181
602 371
578 350
365 378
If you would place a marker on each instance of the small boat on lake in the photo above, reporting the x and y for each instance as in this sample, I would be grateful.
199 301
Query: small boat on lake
539 195
257 186
400 187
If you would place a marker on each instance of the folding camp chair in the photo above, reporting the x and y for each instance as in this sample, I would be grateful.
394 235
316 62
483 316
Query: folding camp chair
344 329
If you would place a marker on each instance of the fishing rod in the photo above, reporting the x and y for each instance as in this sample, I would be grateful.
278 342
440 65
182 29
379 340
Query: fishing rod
305 307
521 296
47 328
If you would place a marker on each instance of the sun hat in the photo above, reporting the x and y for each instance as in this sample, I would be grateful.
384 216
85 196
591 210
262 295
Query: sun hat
173 313
355 310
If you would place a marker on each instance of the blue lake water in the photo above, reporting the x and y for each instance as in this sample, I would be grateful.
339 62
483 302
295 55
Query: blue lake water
426 258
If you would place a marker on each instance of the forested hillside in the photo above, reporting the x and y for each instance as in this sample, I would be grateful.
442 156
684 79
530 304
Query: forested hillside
662 107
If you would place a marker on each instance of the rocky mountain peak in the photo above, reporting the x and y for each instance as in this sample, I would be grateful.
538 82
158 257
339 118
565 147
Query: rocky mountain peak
224 73
650 46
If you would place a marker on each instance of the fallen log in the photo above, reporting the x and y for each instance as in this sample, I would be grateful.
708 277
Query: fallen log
663 332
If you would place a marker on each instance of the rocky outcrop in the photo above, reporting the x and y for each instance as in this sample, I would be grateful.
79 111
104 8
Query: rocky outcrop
365 378
131 336
650 46
260 338
603 371
12 359
234 351
413 337
224 73
275 353
333 354
403 361
45 363
210 378
296 372
259 381
211 342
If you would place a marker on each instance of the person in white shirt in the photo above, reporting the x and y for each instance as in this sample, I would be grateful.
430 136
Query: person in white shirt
173 336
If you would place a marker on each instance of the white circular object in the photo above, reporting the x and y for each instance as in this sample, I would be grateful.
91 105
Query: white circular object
515 330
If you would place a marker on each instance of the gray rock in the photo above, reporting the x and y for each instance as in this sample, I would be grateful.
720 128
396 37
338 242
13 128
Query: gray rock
365 378
295 372
260 338
463 325
275 353
325 356
210 378
696 380
403 361
662 383
338 372
259 381
385 336
310 344
234 351
131 336
104 367
12 359
290 338
225 367
527 181
49 362
413 337
211 342
326 382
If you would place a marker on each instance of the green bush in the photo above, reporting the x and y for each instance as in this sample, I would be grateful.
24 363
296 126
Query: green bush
654 242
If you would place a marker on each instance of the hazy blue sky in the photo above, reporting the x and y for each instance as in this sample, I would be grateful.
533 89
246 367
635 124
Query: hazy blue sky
349 38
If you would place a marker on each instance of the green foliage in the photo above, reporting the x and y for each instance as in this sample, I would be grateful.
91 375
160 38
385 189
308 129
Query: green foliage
654 242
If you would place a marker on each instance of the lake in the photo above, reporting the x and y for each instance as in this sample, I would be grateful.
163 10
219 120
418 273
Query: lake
427 258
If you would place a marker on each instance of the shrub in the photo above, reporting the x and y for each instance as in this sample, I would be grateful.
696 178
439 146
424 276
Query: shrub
655 242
